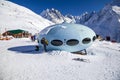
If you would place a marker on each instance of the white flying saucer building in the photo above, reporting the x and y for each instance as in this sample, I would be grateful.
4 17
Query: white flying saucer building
67 37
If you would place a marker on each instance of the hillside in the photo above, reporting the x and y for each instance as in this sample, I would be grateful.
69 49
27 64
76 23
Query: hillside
14 16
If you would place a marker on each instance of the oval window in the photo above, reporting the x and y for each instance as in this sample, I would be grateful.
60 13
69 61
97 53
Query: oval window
56 42
94 38
72 42
86 40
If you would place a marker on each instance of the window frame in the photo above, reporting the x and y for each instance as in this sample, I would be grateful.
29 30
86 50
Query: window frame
70 43
52 42
88 40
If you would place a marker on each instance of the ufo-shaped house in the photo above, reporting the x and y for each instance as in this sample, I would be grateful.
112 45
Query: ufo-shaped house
67 37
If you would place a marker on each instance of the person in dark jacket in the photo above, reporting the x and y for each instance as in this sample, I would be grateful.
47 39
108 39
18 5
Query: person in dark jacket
45 43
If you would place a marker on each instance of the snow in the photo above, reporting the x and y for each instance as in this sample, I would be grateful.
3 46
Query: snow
55 16
106 22
119 20
19 61
116 9
18 17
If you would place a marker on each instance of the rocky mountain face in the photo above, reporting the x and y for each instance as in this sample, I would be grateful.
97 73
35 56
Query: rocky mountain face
107 21
55 16
84 17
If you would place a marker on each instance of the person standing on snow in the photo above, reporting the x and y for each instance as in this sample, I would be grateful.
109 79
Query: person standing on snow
45 43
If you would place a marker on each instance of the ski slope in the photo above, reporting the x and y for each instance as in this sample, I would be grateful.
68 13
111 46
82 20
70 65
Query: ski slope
14 16
19 61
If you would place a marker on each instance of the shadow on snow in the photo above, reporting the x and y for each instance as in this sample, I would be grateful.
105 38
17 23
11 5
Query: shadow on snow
29 49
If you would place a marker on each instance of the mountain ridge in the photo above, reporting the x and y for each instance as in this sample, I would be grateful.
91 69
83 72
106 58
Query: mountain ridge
105 22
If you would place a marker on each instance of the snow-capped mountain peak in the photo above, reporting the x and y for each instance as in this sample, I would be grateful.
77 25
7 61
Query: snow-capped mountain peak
107 21
55 16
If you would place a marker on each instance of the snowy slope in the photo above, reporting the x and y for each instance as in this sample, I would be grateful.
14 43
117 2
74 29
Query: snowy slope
19 61
14 16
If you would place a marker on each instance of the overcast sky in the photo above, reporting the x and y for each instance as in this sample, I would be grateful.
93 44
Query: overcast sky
74 7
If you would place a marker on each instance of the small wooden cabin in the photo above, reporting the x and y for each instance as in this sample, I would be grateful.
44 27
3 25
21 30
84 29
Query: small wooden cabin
18 33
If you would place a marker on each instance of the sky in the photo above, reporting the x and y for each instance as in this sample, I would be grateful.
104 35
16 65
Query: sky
73 7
